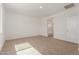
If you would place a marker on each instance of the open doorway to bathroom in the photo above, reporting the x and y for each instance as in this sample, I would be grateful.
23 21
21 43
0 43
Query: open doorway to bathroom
50 27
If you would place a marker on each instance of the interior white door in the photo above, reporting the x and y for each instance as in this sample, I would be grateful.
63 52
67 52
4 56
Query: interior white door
72 29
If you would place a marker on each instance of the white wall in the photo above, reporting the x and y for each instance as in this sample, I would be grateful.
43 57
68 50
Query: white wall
18 26
59 27
60 21
2 26
0 20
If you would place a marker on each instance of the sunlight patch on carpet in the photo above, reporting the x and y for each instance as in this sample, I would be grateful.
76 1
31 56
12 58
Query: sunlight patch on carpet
26 48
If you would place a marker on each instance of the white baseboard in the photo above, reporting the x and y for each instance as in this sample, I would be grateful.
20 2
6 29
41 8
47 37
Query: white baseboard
23 36
67 40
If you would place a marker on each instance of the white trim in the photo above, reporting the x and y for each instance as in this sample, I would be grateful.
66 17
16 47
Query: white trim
66 40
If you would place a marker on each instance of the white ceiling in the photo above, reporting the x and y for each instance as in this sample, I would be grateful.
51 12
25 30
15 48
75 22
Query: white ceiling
33 9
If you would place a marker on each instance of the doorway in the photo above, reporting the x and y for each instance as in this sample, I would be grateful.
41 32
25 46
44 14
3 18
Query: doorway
50 27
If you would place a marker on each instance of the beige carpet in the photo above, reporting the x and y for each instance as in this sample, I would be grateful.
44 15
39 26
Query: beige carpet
39 46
